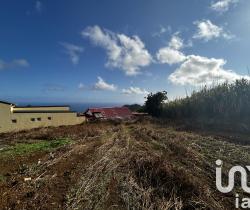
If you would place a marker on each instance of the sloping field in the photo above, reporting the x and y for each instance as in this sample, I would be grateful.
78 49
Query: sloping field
139 165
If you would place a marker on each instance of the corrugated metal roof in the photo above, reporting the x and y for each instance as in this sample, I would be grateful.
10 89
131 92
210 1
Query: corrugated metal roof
112 112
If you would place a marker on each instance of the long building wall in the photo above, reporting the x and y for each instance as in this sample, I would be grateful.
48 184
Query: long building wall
11 121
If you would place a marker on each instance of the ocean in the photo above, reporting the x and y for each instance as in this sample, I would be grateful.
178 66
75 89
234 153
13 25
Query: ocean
78 107
81 107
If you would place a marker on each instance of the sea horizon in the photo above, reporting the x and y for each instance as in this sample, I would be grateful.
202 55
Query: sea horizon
74 106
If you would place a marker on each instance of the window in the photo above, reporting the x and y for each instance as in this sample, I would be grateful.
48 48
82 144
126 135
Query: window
49 118
32 119
14 121
39 119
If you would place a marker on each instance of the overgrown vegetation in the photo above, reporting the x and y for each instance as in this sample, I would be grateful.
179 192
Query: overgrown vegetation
225 101
227 104
27 148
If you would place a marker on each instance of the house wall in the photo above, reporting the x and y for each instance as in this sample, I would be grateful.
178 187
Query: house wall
22 121
5 117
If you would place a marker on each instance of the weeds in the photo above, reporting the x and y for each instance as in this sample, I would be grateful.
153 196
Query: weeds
27 148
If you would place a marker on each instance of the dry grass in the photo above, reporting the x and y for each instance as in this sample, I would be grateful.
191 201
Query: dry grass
142 165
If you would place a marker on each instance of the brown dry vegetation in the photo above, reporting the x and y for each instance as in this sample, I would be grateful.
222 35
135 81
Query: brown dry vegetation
139 165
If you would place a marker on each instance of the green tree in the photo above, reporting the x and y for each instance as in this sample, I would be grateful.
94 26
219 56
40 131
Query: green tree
154 103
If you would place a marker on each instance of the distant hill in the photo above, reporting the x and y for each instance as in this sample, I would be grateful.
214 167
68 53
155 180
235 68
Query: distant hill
134 107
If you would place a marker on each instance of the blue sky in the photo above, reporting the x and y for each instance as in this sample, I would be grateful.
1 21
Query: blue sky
118 51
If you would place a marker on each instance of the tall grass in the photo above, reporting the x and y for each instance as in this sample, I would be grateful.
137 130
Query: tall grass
225 102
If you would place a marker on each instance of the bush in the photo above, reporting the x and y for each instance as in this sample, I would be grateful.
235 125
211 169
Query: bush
154 103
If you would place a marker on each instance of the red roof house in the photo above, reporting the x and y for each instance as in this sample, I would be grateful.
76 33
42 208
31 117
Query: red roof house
108 113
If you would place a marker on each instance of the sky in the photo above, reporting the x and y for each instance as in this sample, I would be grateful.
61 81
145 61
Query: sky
113 51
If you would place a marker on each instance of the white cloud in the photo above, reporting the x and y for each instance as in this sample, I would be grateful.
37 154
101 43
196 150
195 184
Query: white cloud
16 63
176 42
222 5
171 54
135 90
102 85
126 53
197 70
38 6
73 51
206 30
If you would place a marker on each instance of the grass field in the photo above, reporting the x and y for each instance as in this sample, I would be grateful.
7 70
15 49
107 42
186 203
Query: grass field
105 165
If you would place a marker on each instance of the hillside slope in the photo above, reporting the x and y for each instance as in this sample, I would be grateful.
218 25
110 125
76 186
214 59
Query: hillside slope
140 165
